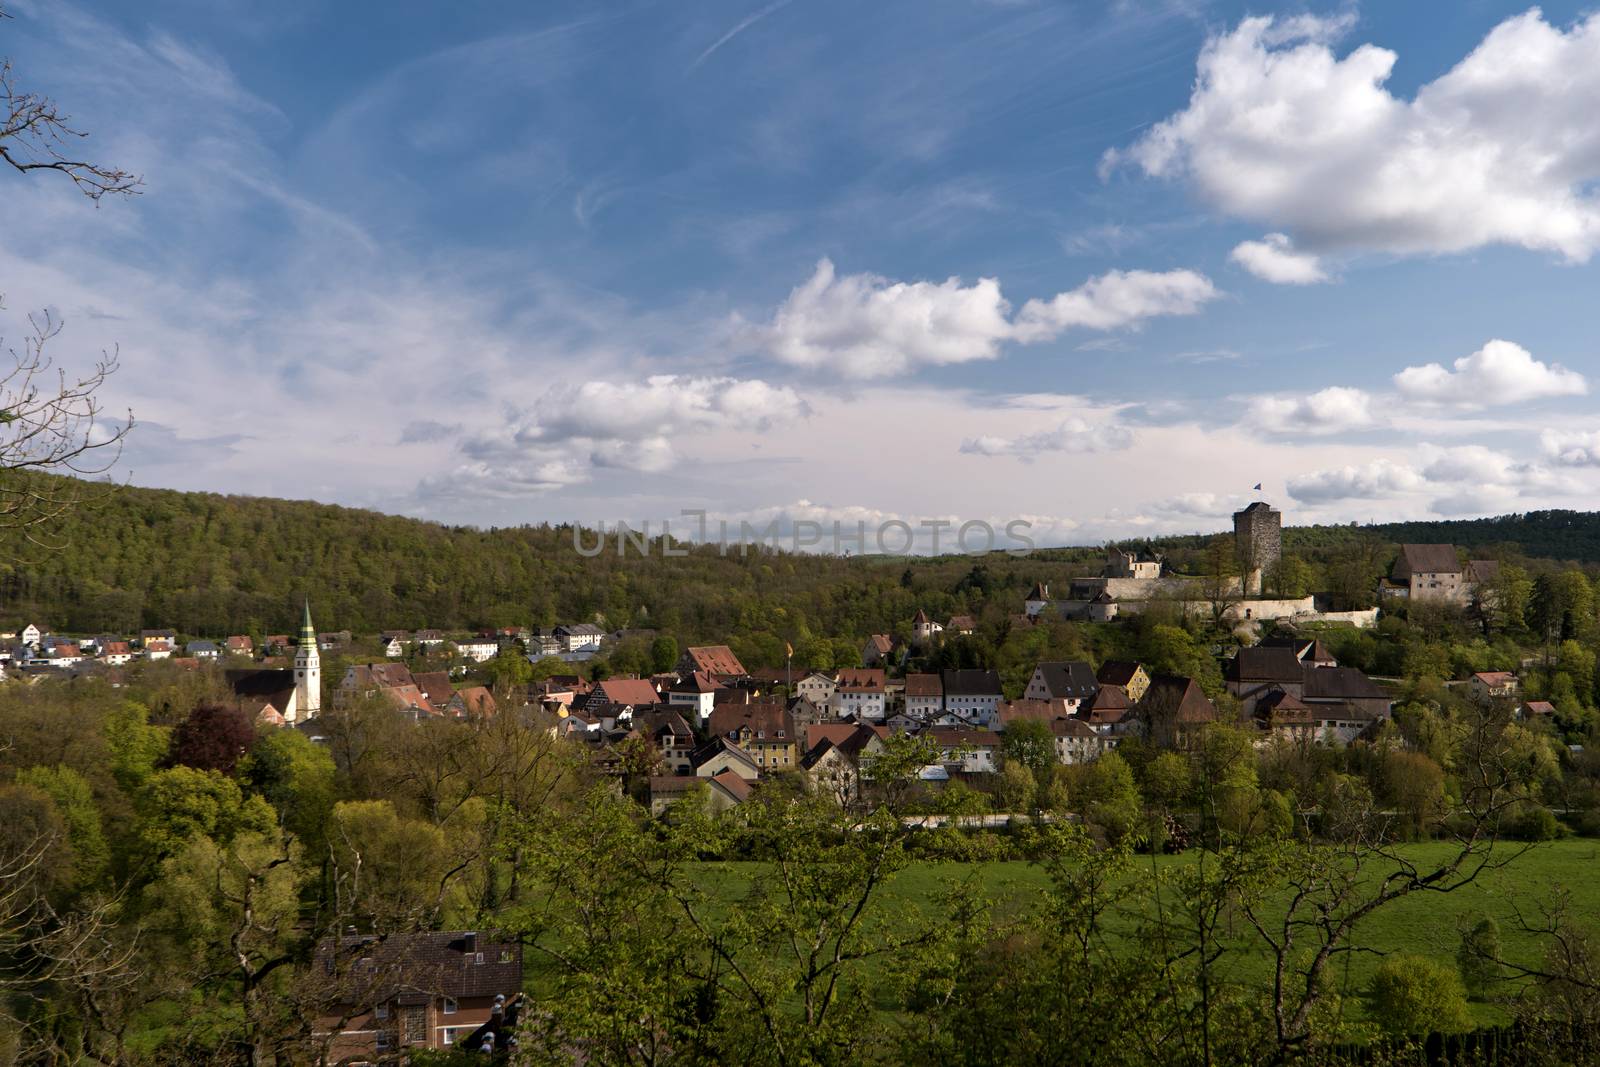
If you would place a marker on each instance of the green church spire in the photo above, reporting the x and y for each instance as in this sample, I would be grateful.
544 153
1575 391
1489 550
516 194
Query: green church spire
308 633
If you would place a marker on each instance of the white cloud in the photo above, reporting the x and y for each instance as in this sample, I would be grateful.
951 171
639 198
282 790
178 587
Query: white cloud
1115 300
1074 435
1501 372
1501 149
1335 409
867 326
1379 478
1572 449
625 425
1274 259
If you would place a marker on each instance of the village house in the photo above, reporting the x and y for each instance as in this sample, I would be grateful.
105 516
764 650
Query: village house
837 755
1078 742
157 650
1070 680
1144 563
719 754
202 650
473 702
116 653
860 695
1254 672
1435 573
1535 710
145 637
695 695
968 751
715 660
580 637
393 644
239 645
721 791
623 692
817 687
961 625
1126 674
1488 686
420 990
428 639
63 654
478 649
764 730
1347 687
31 634
1173 711
1110 713
878 650
672 737
971 697
924 697
924 629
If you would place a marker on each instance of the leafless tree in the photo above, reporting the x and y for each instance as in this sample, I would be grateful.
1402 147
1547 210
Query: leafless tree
35 135
51 422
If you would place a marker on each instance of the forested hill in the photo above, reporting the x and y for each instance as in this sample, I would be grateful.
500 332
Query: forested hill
210 565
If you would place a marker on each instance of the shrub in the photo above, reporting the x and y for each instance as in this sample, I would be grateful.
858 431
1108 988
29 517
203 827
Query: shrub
1413 996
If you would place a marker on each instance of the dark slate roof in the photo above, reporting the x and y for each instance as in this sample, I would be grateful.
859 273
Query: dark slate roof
1340 683
977 683
260 683
1072 679
1426 559
1117 672
1264 663
1183 697
436 963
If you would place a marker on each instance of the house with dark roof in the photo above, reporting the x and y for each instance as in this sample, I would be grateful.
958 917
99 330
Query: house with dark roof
1436 573
256 691
380 996
435 685
1126 674
671 736
1037 600
762 729
580 637
1109 713
1070 680
971 697
1173 710
961 625
1256 671
695 695
965 750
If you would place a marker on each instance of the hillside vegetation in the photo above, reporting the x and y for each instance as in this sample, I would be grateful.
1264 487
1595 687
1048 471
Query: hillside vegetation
208 564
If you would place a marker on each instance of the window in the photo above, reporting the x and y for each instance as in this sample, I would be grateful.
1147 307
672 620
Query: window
505 955
381 1012
477 958
385 1041
448 1034
449 1006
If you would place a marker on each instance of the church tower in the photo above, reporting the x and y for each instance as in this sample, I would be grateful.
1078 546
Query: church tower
307 669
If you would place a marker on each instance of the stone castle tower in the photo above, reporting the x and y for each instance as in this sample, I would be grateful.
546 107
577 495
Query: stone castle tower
307 669
1258 538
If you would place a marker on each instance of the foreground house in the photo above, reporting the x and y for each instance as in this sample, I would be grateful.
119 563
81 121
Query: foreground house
408 991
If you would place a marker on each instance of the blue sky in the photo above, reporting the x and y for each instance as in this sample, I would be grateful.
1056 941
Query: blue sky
1101 266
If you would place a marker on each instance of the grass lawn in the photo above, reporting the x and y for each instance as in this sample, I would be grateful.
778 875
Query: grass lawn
1423 924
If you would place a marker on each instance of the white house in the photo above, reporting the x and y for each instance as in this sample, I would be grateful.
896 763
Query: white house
972 751
478 649
860 695
972 696
31 635
695 695
393 644
581 637
924 697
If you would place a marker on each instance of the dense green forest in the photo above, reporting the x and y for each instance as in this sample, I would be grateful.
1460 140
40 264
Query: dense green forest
208 565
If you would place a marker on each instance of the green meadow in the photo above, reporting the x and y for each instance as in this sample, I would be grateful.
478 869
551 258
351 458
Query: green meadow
1424 923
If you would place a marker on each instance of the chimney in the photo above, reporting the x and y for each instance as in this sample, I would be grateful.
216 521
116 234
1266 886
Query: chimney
469 942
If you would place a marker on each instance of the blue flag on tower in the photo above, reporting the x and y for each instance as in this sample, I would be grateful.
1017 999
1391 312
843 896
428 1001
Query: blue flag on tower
1258 485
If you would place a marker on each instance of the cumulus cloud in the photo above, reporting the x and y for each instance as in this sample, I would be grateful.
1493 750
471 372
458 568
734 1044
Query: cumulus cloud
1572 449
867 326
1074 435
1501 372
1274 259
1379 478
1115 300
1500 149
1335 409
625 425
